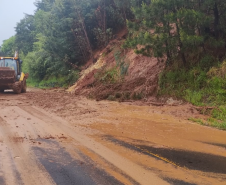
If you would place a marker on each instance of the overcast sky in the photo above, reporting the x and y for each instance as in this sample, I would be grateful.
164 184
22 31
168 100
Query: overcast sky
11 12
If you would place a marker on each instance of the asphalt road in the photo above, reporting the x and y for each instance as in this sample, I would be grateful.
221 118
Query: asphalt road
43 144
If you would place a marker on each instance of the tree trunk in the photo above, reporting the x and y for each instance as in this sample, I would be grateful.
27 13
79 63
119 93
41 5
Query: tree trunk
181 52
105 34
216 20
124 13
79 44
86 35
169 57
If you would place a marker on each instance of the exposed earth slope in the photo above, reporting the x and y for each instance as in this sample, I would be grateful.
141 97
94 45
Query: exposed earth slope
103 78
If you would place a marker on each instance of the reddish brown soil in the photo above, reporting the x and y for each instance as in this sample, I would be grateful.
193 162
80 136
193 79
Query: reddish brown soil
133 142
141 81
157 138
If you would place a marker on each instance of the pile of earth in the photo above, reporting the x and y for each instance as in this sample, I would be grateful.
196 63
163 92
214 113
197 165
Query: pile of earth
140 81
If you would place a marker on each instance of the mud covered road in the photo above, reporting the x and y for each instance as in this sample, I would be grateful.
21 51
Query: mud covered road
51 137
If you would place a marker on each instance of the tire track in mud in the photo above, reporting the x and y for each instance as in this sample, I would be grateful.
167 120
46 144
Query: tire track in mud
9 172
136 172
20 166
31 157
35 160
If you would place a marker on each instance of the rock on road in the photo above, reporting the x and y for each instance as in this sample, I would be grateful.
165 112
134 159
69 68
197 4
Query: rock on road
49 137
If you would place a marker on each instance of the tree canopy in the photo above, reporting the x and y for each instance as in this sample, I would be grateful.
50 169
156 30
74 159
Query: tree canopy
63 34
8 47
183 30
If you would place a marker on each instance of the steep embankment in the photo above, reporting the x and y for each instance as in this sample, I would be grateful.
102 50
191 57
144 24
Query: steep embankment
104 79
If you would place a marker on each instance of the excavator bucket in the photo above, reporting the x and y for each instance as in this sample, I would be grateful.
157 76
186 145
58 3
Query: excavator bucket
7 76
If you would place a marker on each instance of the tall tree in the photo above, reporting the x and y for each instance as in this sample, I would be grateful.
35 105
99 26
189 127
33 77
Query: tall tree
8 47
25 34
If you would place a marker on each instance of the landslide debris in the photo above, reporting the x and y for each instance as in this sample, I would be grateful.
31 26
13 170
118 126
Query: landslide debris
102 80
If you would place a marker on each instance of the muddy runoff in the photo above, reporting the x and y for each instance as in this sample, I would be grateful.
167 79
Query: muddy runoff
52 137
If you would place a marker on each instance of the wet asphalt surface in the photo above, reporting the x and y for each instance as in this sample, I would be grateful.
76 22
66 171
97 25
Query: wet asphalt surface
182 158
65 170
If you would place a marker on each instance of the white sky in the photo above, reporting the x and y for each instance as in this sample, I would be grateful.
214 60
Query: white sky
11 12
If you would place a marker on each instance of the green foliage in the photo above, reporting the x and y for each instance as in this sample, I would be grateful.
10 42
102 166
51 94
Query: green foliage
25 34
34 64
194 86
108 76
210 122
53 81
114 74
199 121
121 63
184 31
8 47
200 87
183 83
102 37
193 97
40 67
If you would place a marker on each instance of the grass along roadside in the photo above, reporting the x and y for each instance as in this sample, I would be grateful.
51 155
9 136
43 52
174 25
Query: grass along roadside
210 122
53 81
203 87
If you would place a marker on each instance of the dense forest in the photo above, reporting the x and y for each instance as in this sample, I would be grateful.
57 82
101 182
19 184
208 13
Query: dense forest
63 34
186 30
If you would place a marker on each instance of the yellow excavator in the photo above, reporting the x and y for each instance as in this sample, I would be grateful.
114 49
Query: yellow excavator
11 76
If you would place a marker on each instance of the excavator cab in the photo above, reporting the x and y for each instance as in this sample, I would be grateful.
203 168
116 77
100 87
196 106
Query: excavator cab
10 63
